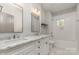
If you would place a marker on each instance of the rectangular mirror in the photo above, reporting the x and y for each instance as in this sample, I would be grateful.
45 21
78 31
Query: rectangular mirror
35 23
11 18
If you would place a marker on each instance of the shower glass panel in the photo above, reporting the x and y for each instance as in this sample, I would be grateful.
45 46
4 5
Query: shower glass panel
6 23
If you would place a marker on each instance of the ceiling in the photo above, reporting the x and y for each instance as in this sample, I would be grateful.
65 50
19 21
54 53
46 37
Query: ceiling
57 7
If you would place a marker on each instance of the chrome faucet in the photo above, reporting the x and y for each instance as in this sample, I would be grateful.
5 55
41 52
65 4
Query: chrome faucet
14 36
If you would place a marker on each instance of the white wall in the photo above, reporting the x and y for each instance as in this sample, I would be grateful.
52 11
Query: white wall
65 38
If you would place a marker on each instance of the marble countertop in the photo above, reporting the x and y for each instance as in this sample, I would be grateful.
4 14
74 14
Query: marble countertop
6 44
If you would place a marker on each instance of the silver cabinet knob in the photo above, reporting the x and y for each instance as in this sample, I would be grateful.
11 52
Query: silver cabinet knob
38 41
38 53
38 47
46 42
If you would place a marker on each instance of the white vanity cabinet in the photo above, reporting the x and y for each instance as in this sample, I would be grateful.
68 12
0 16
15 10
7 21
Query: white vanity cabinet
35 47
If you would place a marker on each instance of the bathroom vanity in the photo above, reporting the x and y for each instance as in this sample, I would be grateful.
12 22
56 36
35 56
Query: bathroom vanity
30 45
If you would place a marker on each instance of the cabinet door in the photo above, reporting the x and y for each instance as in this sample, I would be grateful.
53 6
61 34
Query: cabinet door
27 51
42 46
45 46
22 49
